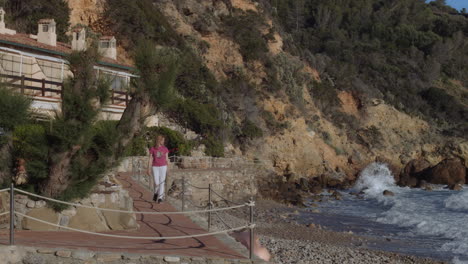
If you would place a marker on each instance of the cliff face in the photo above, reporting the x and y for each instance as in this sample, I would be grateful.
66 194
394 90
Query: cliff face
300 139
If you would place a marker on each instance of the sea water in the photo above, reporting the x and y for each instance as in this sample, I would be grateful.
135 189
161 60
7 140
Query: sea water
417 222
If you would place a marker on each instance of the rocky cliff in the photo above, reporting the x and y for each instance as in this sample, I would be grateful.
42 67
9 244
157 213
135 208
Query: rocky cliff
302 135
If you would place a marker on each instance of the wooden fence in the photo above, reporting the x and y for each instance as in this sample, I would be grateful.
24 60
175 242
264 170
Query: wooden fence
42 86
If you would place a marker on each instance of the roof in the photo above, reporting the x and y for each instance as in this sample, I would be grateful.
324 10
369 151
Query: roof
62 49
77 29
46 21
106 38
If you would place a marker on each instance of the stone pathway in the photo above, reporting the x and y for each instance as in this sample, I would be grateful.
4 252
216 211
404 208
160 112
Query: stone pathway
150 225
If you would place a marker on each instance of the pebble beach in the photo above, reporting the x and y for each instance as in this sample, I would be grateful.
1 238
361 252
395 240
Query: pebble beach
291 242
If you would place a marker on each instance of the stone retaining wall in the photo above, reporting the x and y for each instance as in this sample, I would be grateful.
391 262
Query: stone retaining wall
107 194
28 255
232 178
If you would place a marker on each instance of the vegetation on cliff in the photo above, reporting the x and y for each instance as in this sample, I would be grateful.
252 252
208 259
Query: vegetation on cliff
406 52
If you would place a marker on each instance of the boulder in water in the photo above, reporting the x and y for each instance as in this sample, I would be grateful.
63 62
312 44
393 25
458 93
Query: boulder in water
337 195
388 193
414 172
455 187
449 171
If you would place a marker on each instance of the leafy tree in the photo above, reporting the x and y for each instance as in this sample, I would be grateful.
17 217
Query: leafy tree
80 149
14 111
24 15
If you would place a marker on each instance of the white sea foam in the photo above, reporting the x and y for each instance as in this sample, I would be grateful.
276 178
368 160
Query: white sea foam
459 261
375 179
458 201
441 213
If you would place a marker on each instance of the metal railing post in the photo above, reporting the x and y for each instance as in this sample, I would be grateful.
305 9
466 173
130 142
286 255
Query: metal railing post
12 214
183 193
139 171
210 206
43 87
252 244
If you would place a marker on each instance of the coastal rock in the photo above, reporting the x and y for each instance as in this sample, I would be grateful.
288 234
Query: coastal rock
303 184
449 171
45 214
414 172
88 219
455 187
388 193
337 195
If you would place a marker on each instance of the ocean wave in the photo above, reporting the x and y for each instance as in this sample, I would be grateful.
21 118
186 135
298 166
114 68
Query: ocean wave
375 179
458 201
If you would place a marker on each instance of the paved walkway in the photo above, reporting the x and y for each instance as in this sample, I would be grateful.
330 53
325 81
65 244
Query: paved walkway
150 225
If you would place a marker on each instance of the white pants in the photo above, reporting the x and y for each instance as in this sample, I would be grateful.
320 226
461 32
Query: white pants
159 174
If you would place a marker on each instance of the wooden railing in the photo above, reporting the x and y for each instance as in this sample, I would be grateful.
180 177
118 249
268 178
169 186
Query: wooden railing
43 86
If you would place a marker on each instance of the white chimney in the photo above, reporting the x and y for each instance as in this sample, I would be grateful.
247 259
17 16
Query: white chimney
3 29
46 32
79 39
107 47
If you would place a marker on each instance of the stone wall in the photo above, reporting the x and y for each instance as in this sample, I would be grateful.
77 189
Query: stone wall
107 194
28 255
234 179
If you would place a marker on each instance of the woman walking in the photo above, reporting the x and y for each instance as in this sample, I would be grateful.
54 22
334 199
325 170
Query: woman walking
158 161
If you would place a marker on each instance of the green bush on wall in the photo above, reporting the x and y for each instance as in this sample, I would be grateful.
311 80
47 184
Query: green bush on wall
175 141
30 143
214 146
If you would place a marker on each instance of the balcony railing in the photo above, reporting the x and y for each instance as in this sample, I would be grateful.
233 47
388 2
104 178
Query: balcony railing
51 89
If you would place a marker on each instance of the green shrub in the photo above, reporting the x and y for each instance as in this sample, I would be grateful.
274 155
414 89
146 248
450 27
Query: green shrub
441 102
274 125
214 146
136 20
250 130
138 147
24 15
30 143
201 118
14 109
175 141
244 30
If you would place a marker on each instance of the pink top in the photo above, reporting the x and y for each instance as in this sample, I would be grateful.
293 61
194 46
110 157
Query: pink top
159 156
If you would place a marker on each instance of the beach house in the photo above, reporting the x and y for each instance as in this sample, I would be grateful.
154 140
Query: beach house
36 65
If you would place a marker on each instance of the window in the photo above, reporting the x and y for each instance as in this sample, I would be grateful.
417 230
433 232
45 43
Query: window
52 70
11 64
105 44
77 35
117 82
45 28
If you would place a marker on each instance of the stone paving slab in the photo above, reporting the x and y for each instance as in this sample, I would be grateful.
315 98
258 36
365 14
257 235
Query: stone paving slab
150 225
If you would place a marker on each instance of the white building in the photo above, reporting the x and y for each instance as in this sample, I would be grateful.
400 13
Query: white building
36 65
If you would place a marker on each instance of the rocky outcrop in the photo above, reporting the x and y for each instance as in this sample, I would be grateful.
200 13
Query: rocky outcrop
449 171
309 143
45 214
419 173
414 172
388 193
107 194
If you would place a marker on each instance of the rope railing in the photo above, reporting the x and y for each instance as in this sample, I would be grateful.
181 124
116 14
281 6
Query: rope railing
4 213
210 210
224 199
136 212
196 187
222 221
137 237
210 204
